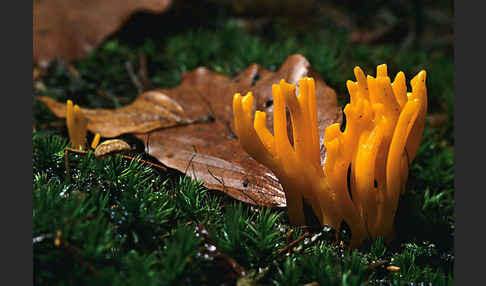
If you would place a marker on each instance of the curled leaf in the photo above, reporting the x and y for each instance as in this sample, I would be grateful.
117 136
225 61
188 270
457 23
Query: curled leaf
69 29
151 110
112 146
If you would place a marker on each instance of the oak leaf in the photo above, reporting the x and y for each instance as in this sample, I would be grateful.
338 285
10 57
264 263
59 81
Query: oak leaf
151 110
208 149
69 29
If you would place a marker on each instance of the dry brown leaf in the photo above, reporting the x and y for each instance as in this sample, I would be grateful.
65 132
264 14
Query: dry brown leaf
209 151
151 110
111 147
68 29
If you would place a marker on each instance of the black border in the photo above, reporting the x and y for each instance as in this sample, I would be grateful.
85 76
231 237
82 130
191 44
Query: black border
16 93
469 122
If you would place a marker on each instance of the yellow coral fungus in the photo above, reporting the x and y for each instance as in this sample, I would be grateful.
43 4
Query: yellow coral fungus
77 125
96 141
384 125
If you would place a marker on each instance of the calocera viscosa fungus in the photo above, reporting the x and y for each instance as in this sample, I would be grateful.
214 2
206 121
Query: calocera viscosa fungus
384 126
77 124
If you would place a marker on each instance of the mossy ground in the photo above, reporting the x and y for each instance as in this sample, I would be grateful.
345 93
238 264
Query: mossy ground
114 221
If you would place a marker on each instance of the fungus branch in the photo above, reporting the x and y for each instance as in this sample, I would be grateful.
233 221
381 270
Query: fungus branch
382 135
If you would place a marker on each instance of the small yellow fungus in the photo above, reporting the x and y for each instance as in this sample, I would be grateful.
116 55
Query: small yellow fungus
393 268
96 141
77 125
384 125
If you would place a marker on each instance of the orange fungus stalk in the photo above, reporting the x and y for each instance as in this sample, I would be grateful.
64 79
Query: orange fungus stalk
384 125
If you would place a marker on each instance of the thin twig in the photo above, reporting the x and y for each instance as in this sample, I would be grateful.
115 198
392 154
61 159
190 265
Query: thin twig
289 235
66 165
221 181
83 152
74 251
133 77
146 162
112 97
375 265
339 18
73 71
293 243
210 249
143 72
189 164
